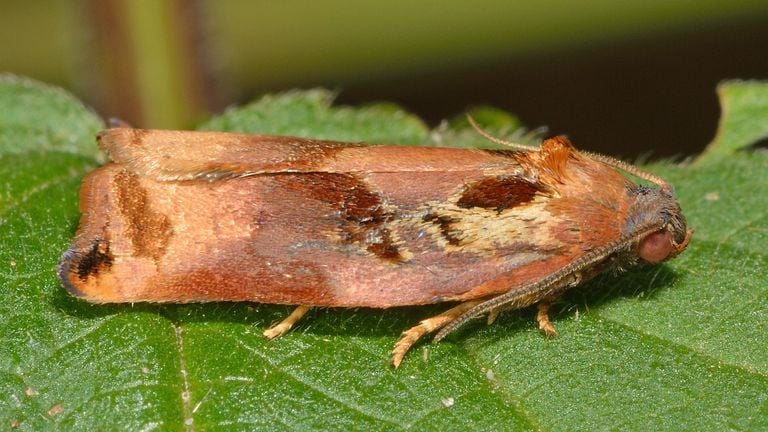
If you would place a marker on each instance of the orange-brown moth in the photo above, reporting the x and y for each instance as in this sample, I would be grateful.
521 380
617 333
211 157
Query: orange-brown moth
211 216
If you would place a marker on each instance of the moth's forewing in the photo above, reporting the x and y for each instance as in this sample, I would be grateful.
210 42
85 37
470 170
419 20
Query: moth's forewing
194 217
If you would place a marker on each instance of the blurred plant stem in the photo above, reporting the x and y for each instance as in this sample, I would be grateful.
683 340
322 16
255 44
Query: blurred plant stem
149 62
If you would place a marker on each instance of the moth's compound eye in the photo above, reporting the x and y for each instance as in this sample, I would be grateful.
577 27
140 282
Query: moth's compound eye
657 246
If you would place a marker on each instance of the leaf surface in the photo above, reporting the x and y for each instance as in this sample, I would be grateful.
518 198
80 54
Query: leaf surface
679 346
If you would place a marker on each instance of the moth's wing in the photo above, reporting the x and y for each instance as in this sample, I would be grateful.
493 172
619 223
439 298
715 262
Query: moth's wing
321 239
380 239
350 228
182 155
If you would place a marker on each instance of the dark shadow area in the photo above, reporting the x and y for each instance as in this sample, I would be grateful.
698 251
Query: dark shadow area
319 321
645 281
654 94
760 144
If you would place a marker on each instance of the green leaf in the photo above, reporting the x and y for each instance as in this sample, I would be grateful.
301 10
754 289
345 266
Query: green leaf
36 117
679 346
309 114
744 118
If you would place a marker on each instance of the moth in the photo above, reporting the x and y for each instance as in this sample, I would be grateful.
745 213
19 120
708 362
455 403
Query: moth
210 216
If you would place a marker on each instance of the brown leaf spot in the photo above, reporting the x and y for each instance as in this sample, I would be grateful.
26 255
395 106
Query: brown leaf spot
148 230
56 410
499 193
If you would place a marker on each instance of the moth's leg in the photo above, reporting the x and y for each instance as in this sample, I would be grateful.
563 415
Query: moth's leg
542 317
283 326
495 312
426 326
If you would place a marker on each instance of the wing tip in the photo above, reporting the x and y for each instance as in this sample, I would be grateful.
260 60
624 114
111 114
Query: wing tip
63 270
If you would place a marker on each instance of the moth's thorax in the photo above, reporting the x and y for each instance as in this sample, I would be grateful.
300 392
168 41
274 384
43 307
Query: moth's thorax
605 201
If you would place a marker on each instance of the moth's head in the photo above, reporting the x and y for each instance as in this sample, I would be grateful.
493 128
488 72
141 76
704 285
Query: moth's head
673 236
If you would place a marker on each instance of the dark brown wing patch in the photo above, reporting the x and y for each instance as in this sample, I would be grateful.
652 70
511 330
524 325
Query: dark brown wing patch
446 226
500 193
148 230
97 259
363 218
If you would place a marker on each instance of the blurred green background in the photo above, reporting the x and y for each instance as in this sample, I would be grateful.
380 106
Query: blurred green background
621 77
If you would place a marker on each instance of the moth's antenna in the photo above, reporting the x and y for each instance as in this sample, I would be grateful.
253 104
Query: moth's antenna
629 168
624 166
499 141
552 284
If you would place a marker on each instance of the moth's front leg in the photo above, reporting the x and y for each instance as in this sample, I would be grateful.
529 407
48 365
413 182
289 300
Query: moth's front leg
413 334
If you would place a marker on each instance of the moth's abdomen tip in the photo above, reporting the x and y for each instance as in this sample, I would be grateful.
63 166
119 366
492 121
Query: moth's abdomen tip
64 272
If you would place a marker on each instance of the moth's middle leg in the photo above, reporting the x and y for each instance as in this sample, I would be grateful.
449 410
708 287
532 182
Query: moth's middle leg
542 313
413 334
542 317
287 323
